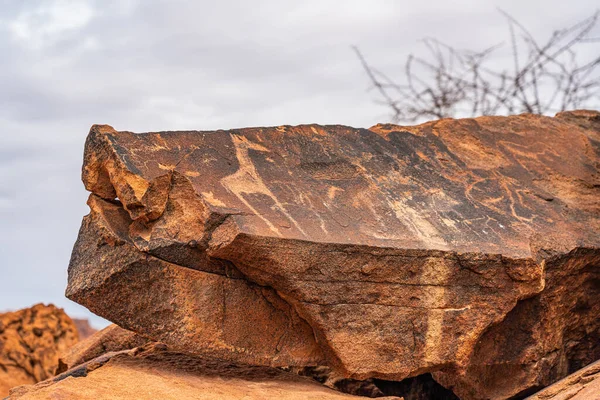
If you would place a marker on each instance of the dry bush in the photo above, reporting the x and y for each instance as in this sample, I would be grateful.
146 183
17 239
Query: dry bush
544 77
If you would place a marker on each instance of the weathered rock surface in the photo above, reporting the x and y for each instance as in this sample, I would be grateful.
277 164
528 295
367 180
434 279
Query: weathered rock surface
469 249
582 385
30 343
154 372
110 339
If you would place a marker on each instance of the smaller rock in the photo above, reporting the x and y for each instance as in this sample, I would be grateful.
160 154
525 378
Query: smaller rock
581 385
154 372
110 339
30 343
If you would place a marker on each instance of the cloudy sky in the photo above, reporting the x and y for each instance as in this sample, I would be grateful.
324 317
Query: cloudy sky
165 65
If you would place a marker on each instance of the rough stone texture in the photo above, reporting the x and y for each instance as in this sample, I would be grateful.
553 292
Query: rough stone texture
30 343
156 373
469 249
110 339
582 385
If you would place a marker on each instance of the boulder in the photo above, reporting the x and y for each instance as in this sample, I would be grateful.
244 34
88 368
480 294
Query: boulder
468 249
31 341
154 372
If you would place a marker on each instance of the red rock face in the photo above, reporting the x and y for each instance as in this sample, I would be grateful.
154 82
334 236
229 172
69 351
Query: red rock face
31 341
465 248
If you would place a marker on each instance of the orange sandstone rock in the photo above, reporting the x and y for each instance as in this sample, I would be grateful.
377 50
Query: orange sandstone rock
156 373
581 385
30 343
468 249
110 339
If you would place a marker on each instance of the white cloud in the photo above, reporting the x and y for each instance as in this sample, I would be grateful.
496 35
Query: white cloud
45 24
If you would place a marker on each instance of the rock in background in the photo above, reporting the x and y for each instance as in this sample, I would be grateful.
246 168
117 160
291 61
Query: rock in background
84 328
31 341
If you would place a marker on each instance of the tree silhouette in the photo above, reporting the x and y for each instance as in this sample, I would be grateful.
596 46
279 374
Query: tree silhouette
448 82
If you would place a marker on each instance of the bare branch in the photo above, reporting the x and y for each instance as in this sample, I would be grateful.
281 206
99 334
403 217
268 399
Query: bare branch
448 82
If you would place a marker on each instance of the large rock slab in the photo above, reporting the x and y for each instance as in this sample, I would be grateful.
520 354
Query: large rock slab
157 373
31 341
466 248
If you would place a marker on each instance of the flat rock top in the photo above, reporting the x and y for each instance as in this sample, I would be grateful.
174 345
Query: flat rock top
473 185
